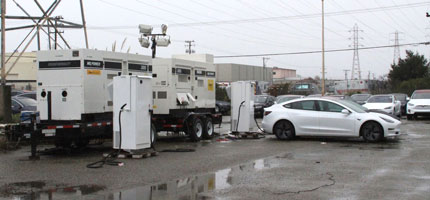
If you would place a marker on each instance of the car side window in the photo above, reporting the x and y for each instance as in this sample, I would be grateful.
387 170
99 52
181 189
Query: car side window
301 105
329 106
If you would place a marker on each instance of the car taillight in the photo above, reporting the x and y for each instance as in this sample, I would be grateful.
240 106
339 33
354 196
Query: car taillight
267 112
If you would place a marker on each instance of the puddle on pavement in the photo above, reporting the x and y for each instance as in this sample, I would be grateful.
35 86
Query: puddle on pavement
194 187
39 190
190 188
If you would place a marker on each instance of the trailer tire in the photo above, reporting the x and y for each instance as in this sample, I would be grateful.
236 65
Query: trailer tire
208 128
196 131
153 135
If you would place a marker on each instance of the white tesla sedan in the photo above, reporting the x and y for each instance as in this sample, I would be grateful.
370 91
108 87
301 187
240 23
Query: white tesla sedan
385 103
327 117
419 104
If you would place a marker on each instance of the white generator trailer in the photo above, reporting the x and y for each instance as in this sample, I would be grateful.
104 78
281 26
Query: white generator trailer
72 92
184 97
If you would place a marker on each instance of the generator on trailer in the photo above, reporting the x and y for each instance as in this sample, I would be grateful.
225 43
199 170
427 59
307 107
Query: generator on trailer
75 102
184 97
72 93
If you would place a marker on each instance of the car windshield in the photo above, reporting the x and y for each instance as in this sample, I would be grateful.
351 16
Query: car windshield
360 97
27 101
260 99
380 99
354 106
284 99
421 95
400 97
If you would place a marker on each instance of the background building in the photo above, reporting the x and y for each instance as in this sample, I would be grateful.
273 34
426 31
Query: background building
230 72
24 75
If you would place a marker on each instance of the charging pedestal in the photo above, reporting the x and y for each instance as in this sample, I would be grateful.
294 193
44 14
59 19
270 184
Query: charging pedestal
242 107
132 101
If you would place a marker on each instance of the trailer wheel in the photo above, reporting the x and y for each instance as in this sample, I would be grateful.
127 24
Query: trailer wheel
153 135
196 131
208 128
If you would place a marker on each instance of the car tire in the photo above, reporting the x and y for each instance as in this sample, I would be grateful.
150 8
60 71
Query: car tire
208 128
196 131
284 130
409 117
372 131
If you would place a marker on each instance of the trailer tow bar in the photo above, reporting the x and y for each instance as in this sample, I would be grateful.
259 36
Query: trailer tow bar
34 137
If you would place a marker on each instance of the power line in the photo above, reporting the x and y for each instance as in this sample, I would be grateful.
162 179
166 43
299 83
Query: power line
291 17
319 51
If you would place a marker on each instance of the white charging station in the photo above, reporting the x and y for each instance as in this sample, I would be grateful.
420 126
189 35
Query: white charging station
134 95
242 107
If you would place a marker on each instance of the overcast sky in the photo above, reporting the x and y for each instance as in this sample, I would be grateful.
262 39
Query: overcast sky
242 27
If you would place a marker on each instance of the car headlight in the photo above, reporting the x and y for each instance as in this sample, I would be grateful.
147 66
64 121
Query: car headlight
389 107
387 120
411 104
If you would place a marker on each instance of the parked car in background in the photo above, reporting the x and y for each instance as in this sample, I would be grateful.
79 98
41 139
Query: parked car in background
419 104
261 102
23 104
360 98
222 107
31 95
403 98
327 117
340 97
15 92
284 98
385 103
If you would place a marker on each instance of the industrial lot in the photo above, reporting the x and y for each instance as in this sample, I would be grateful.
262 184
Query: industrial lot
93 106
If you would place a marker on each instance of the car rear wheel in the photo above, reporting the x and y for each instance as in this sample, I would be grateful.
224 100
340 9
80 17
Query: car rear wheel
372 132
284 130
410 117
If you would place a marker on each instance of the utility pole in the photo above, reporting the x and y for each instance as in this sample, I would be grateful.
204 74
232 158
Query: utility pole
5 90
346 78
356 60
264 67
3 45
84 24
189 44
346 73
323 50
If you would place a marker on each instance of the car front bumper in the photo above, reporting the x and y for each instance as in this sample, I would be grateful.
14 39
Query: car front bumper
418 110
392 129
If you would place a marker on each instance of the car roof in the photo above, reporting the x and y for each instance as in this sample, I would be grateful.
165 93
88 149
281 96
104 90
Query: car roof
422 91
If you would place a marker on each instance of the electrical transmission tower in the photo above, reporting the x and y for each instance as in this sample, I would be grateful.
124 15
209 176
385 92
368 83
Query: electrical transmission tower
356 60
188 45
396 48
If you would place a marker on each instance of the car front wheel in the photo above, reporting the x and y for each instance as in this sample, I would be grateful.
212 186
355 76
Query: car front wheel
372 132
284 130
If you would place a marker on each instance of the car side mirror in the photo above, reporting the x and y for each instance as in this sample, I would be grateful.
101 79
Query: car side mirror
346 112
407 98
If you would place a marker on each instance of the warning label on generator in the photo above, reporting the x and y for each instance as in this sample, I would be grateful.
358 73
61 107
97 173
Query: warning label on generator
93 72
211 85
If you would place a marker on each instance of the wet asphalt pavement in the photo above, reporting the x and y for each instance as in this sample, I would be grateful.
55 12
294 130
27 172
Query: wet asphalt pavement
306 168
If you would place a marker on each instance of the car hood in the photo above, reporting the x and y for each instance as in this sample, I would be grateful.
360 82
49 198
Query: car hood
382 114
420 101
371 106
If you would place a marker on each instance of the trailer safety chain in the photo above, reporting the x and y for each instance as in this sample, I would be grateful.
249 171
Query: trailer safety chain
110 159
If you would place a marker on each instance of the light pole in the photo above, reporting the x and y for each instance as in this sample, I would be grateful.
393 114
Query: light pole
159 39
323 51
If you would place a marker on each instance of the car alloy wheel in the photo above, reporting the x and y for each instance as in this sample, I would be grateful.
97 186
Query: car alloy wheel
372 132
284 130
